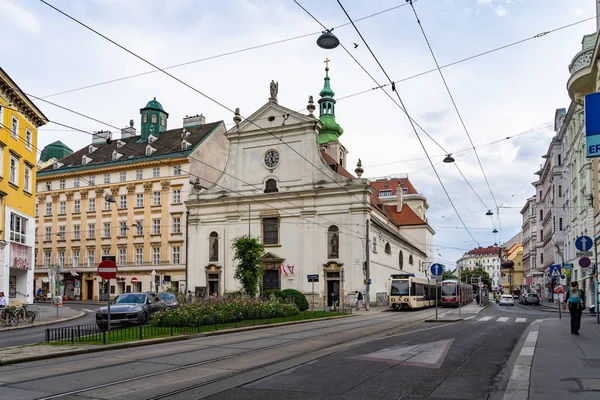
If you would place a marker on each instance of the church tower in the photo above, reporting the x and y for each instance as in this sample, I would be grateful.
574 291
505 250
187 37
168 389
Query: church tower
331 131
154 119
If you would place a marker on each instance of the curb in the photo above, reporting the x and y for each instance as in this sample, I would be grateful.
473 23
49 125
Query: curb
12 328
145 342
445 320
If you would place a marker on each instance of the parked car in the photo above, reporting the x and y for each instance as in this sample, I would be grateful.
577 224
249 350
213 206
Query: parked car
522 298
169 299
532 298
507 299
130 308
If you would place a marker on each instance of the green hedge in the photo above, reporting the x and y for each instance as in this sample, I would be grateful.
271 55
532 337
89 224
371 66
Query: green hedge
223 311
296 297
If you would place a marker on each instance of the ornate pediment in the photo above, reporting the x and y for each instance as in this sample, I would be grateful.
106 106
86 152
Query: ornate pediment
271 258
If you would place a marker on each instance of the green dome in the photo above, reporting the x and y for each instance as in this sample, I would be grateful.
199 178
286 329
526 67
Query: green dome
154 105
330 131
56 150
327 91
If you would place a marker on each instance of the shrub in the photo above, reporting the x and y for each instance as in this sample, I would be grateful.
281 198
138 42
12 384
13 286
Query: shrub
272 294
296 297
223 311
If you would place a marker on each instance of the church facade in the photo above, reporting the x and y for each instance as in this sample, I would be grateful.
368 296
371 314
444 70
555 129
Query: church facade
286 182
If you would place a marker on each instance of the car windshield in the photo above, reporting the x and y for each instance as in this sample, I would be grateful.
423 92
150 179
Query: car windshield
399 288
535 296
167 296
131 298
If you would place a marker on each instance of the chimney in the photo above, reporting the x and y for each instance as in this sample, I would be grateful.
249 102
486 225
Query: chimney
101 137
194 121
399 198
128 132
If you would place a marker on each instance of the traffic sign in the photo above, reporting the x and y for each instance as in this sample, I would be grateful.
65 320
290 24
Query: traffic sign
585 262
563 279
134 280
568 265
584 253
583 243
313 278
554 270
107 269
436 269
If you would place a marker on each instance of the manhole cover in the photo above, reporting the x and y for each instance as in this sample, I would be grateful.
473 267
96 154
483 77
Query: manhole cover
591 362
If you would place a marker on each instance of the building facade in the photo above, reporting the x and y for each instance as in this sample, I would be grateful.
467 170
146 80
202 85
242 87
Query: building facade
534 278
19 122
124 198
293 191
487 258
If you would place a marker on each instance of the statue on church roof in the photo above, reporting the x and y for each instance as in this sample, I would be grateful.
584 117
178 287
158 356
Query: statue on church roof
274 89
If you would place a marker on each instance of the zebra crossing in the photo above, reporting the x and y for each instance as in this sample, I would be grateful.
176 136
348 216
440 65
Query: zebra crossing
500 319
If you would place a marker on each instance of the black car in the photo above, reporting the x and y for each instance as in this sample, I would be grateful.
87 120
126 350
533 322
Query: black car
130 308
532 298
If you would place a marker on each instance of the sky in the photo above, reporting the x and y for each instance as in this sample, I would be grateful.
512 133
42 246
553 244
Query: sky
234 48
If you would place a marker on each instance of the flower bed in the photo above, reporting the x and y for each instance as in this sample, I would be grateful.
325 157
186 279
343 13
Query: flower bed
223 311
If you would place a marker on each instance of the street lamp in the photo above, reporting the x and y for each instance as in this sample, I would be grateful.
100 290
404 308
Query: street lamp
328 40
489 212
448 159
109 199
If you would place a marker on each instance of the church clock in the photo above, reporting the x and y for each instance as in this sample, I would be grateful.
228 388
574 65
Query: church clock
271 158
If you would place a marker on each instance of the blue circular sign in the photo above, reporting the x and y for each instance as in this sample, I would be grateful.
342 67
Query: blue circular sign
436 269
583 243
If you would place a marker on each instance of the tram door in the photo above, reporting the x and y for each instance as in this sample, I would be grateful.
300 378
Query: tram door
332 287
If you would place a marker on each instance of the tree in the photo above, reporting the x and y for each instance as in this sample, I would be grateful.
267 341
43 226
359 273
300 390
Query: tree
248 271
447 274
467 273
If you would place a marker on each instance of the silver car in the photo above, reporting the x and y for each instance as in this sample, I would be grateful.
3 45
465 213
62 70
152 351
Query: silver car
130 308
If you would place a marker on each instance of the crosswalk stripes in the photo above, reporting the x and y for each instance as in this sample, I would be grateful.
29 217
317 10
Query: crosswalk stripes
521 320
483 319
500 319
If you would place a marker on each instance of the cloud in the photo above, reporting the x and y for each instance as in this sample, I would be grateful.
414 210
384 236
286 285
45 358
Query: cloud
500 11
21 18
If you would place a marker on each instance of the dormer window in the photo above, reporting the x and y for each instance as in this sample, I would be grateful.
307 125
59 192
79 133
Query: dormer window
150 150
185 145
187 133
56 164
116 155
120 144
85 160
92 149
385 193
152 139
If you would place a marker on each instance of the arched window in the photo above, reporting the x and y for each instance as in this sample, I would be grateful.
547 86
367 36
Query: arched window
410 260
271 186
388 249
401 260
145 118
213 247
333 242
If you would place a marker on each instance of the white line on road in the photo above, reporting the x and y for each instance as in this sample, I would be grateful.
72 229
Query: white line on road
521 320
87 310
502 319
483 319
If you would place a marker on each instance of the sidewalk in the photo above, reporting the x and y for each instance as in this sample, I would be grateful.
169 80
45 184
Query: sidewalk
45 315
553 364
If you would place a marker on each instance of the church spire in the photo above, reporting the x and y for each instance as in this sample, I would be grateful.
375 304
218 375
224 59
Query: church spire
330 130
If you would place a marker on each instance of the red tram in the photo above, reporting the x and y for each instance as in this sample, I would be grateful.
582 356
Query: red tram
455 293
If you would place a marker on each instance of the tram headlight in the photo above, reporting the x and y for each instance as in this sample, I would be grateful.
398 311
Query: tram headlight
406 299
393 299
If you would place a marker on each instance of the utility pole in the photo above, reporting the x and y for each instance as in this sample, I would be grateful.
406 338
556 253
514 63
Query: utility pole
367 271
248 220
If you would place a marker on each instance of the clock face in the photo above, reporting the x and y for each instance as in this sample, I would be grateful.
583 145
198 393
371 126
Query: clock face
271 158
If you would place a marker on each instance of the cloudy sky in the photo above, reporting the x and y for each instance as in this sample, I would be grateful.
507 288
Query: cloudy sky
512 92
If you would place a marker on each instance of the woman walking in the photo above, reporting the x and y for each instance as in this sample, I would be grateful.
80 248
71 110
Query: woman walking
576 303
359 300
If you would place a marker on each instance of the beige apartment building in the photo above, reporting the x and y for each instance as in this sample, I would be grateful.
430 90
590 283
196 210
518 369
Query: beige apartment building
124 197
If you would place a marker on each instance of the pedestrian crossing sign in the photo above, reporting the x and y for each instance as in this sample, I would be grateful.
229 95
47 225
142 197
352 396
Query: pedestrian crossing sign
555 270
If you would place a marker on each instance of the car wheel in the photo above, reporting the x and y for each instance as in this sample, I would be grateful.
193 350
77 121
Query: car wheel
512 305
144 318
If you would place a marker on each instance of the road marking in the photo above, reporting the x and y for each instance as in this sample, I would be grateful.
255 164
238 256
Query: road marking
428 355
502 319
483 319
521 320
87 310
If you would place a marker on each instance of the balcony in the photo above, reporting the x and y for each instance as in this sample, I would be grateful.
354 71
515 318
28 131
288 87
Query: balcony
583 71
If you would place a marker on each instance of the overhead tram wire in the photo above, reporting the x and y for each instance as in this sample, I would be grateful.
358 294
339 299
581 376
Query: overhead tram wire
455 106
255 47
202 94
412 122
539 35
193 158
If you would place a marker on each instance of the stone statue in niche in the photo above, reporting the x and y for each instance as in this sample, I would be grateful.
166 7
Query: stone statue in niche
274 89
214 249
334 245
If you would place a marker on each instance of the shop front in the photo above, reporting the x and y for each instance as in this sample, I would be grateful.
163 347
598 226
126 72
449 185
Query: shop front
20 273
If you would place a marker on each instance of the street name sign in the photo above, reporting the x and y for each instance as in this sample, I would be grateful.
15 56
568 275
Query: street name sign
107 269
436 269
583 243
585 262
584 253
313 278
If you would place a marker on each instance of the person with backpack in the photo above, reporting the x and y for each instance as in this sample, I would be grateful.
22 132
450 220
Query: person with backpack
576 303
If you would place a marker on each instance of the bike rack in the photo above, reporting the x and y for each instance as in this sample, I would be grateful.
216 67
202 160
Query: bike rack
39 310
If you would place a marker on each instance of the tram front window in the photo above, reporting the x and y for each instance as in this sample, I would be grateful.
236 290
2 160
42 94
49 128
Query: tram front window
448 289
399 288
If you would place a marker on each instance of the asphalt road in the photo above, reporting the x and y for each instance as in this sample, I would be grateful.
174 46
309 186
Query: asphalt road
19 337
390 355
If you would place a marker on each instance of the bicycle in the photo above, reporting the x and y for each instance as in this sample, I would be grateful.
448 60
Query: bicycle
8 316
22 313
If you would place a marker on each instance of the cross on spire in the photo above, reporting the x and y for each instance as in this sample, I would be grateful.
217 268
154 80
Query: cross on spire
327 60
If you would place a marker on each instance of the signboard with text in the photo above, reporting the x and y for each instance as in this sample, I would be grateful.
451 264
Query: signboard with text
20 256
592 125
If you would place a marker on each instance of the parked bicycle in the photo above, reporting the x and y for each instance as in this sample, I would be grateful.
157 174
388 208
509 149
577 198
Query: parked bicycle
22 313
8 316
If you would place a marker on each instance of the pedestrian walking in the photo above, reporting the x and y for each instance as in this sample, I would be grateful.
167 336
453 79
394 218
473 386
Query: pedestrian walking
333 301
576 303
359 300
190 298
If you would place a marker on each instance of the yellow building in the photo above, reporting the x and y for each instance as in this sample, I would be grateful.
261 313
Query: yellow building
19 121
512 269
124 197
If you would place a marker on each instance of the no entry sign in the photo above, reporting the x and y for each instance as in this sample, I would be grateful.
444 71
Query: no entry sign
134 280
107 269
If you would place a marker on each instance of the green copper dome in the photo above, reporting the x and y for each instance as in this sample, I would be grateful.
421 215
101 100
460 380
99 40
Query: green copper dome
331 130
56 150
154 105
154 120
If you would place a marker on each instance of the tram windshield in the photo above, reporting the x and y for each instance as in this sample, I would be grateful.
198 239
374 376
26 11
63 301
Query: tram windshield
448 289
399 288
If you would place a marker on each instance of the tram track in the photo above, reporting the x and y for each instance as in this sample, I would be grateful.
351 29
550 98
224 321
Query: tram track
354 324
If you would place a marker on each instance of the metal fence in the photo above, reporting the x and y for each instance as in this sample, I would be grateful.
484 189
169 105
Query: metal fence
121 332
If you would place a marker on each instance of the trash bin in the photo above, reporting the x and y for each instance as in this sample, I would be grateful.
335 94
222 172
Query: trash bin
58 301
